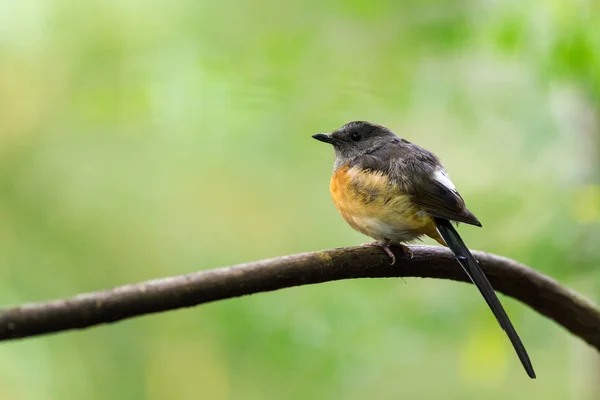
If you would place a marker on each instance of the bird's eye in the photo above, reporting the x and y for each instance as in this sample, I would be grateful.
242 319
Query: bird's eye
355 136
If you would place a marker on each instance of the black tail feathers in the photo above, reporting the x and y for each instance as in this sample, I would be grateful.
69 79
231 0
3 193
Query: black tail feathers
471 266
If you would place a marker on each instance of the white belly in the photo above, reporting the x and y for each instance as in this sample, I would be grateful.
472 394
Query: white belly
380 230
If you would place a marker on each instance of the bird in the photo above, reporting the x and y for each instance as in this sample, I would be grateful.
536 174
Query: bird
395 192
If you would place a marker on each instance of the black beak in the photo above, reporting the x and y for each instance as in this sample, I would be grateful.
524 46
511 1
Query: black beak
323 137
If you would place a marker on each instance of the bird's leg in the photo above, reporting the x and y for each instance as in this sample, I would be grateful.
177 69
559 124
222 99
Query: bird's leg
386 244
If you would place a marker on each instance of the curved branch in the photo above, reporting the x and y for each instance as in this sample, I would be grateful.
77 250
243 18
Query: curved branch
538 291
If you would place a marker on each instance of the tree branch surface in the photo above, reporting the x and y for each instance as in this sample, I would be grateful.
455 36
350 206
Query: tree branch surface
543 294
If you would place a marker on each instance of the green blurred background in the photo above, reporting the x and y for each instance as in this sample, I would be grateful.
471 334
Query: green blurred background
141 139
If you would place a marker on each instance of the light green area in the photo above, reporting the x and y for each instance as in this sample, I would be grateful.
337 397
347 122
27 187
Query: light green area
141 139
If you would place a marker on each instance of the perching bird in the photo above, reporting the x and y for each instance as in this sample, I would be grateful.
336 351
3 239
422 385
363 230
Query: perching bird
394 191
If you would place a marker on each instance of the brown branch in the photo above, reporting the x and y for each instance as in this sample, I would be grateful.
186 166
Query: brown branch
538 291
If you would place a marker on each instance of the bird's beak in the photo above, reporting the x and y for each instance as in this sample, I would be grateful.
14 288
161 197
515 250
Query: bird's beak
323 137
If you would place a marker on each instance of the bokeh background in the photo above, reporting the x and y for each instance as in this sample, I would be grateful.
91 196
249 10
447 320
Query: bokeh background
141 139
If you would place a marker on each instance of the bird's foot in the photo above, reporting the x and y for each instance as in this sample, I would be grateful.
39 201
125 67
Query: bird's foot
385 245
407 251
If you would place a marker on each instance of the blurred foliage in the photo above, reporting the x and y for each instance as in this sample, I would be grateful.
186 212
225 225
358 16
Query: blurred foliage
145 139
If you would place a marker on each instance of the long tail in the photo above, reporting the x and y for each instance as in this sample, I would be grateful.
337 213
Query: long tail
474 271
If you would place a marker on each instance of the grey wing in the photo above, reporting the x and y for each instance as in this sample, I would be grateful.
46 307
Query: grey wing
419 173
443 202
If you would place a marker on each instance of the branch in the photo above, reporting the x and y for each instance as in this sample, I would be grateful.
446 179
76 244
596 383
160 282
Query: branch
538 291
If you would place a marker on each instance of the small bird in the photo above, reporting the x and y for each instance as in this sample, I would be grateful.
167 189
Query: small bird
395 192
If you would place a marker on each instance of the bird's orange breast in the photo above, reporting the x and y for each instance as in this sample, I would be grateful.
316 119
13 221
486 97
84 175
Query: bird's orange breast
374 206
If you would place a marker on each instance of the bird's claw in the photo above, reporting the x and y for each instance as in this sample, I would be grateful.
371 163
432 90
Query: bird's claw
386 247
408 251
